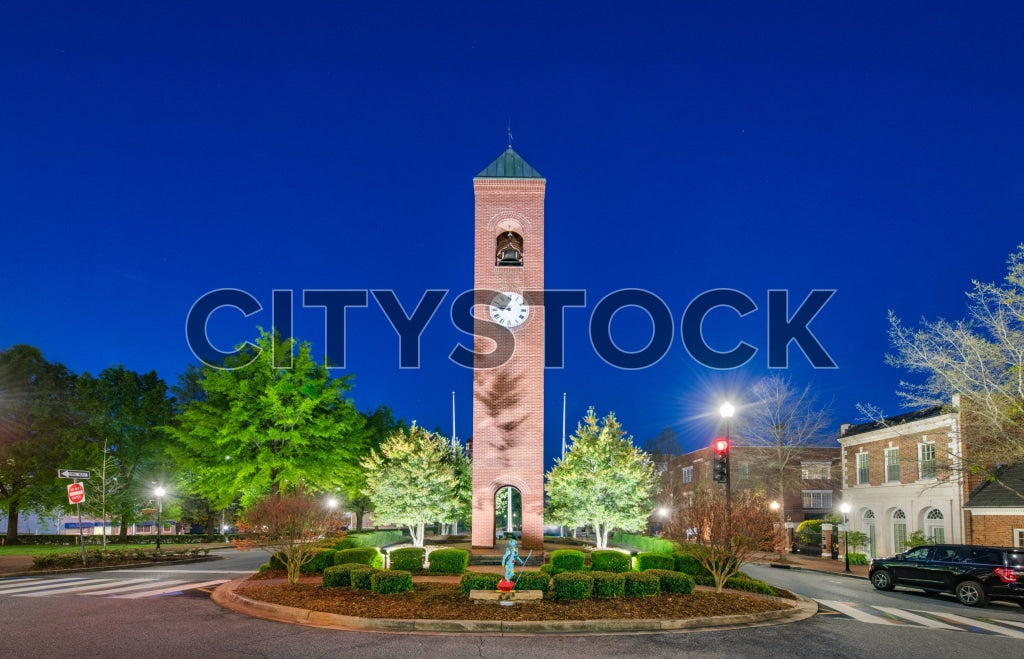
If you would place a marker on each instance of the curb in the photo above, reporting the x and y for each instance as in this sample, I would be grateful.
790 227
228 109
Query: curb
226 596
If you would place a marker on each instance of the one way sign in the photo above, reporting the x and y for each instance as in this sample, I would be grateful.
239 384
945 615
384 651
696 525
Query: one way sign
80 474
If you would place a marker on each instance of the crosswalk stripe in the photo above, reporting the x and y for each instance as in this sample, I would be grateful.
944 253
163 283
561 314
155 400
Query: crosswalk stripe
1011 622
48 585
4 582
856 614
143 583
70 589
913 617
978 624
171 589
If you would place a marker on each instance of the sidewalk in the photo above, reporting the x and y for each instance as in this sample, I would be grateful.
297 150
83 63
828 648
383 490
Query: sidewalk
813 563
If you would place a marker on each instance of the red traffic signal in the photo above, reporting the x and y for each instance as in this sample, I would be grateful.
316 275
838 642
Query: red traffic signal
721 446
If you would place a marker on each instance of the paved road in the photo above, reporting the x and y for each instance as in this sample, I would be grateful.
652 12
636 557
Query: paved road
188 624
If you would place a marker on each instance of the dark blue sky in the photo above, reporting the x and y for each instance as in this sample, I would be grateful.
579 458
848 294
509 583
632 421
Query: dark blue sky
151 153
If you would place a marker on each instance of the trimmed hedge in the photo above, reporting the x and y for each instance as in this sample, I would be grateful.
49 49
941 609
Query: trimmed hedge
340 575
533 580
608 584
858 559
739 582
644 542
362 578
642 584
321 560
478 581
653 561
370 539
671 581
688 564
572 586
449 561
566 560
610 560
366 555
277 561
407 558
386 582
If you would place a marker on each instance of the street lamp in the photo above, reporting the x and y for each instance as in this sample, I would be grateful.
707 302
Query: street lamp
159 492
726 411
845 509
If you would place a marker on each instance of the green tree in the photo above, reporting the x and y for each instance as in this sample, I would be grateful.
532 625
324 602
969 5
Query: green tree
379 425
416 478
125 412
35 419
257 428
603 480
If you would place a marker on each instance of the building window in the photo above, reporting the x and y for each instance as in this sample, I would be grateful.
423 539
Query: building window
863 473
926 460
688 474
892 465
869 528
899 531
817 499
815 470
935 526
1018 537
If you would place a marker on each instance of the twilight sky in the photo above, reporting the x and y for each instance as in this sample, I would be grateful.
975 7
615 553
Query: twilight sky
153 152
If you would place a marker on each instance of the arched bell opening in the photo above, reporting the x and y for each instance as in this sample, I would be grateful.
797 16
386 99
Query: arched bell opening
508 513
509 249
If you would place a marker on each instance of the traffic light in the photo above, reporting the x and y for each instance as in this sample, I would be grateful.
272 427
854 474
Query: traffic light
721 466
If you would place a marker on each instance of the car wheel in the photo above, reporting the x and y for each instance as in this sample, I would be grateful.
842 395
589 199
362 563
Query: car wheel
970 593
882 580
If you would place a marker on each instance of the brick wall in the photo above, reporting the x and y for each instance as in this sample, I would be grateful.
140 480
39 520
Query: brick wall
994 529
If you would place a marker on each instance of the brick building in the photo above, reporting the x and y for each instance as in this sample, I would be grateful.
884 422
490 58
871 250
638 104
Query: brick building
994 512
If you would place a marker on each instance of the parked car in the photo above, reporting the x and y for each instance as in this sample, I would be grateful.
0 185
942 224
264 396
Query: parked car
975 574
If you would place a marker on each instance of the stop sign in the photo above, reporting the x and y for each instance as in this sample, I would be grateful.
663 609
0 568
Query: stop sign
76 493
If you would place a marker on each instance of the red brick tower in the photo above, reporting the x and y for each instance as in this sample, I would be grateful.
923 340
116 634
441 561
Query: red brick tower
508 399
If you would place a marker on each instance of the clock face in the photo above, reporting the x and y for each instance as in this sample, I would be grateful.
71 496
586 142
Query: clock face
509 309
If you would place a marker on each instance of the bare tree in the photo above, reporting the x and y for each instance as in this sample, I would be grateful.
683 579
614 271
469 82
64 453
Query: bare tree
723 535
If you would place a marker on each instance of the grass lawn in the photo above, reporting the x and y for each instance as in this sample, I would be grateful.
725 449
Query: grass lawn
34 550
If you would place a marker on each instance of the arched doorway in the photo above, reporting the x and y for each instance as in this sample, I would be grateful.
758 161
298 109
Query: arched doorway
899 531
508 513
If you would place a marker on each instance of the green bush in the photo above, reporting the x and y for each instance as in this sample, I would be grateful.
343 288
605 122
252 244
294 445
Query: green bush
533 580
449 561
361 578
321 560
277 561
641 584
671 581
688 564
739 582
572 586
567 560
341 575
478 581
858 559
546 569
610 560
370 539
407 558
653 561
644 542
366 555
386 582
608 584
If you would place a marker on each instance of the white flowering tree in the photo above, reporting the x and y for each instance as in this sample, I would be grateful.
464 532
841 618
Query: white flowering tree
603 480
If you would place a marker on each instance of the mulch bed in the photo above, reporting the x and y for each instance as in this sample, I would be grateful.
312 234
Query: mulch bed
443 601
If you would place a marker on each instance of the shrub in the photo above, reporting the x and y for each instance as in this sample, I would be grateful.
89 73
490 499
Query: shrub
386 582
566 560
644 542
743 583
366 555
361 578
688 564
671 581
449 561
477 581
370 539
321 560
653 561
533 580
608 584
641 584
546 569
858 559
277 561
610 560
572 585
336 576
408 558
266 567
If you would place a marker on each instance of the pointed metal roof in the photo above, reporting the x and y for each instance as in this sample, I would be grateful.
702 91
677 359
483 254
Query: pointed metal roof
509 165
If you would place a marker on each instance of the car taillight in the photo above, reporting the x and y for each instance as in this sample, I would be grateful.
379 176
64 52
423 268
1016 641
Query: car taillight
1007 575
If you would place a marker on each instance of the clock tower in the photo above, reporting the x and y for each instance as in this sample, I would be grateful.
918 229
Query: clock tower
508 374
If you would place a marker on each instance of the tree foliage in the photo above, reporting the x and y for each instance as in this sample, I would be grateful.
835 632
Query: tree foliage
257 428
981 359
721 535
416 478
603 480
379 425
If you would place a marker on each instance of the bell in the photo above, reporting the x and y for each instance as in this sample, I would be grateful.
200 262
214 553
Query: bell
509 256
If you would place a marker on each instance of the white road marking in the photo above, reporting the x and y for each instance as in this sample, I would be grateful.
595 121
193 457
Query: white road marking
171 589
75 589
856 614
48 585
913 617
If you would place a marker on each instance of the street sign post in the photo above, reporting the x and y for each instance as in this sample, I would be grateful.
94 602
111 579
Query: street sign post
76 495
77 474
76 492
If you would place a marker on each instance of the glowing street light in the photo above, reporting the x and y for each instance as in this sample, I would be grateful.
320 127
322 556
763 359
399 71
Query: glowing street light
845 509
159 492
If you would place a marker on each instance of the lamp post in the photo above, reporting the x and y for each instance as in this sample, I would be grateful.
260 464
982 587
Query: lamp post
159 492
780 545
845 509
726 411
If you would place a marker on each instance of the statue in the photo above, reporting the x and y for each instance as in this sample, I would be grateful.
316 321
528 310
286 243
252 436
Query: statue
509 561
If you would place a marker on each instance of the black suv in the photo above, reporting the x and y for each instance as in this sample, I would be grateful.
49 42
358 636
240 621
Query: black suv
973 573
